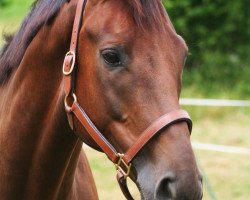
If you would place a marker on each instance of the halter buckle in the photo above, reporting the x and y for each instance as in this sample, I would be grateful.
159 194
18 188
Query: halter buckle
120 162
66 70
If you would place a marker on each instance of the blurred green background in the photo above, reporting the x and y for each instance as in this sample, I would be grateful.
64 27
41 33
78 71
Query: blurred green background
218 35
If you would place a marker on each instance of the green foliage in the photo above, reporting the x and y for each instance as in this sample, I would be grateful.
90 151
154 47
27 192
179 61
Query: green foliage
218 35
4 3
11 15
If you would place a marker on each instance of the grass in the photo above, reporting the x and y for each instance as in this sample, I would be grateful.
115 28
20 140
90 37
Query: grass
226 126
228 174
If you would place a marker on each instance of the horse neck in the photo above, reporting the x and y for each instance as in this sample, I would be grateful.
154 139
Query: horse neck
38 150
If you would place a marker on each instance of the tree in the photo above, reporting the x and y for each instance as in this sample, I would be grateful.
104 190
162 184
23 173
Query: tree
218 35
3 3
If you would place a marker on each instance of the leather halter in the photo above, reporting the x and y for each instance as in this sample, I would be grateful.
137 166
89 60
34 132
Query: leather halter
121 161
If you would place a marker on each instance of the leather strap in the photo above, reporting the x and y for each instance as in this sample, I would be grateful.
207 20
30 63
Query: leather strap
162 122
122 161
70 61
95 134
155 128
123 185
70 58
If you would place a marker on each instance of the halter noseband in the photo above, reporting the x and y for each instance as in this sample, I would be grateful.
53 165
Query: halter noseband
121 161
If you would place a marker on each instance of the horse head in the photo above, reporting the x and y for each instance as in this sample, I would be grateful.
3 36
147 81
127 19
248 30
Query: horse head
129 67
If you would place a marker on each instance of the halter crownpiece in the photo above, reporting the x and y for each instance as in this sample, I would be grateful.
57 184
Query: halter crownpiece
122 161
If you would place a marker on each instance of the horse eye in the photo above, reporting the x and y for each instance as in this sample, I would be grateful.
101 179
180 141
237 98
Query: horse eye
111 57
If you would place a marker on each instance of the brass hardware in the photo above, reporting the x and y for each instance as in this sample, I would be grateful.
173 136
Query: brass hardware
70 53
127 166
68 108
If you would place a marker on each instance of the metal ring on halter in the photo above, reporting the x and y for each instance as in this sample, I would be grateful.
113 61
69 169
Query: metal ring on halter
72 65
67 107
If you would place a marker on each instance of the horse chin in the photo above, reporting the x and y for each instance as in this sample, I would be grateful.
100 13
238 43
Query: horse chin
144 194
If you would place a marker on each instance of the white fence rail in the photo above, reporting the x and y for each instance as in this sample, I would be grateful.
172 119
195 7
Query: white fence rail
215 102
219 103
221 148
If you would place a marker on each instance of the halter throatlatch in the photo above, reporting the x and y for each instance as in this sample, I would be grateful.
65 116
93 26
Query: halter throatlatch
122 161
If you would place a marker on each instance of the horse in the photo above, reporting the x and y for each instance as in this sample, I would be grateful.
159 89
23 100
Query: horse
118 92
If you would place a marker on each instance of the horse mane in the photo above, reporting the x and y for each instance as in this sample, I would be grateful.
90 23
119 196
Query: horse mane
42 12
145 13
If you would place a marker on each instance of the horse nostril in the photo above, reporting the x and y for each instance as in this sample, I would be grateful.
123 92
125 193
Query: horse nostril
201 178
201 186
166 188
169 188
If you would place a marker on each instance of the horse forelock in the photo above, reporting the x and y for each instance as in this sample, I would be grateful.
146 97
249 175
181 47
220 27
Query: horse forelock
147 13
